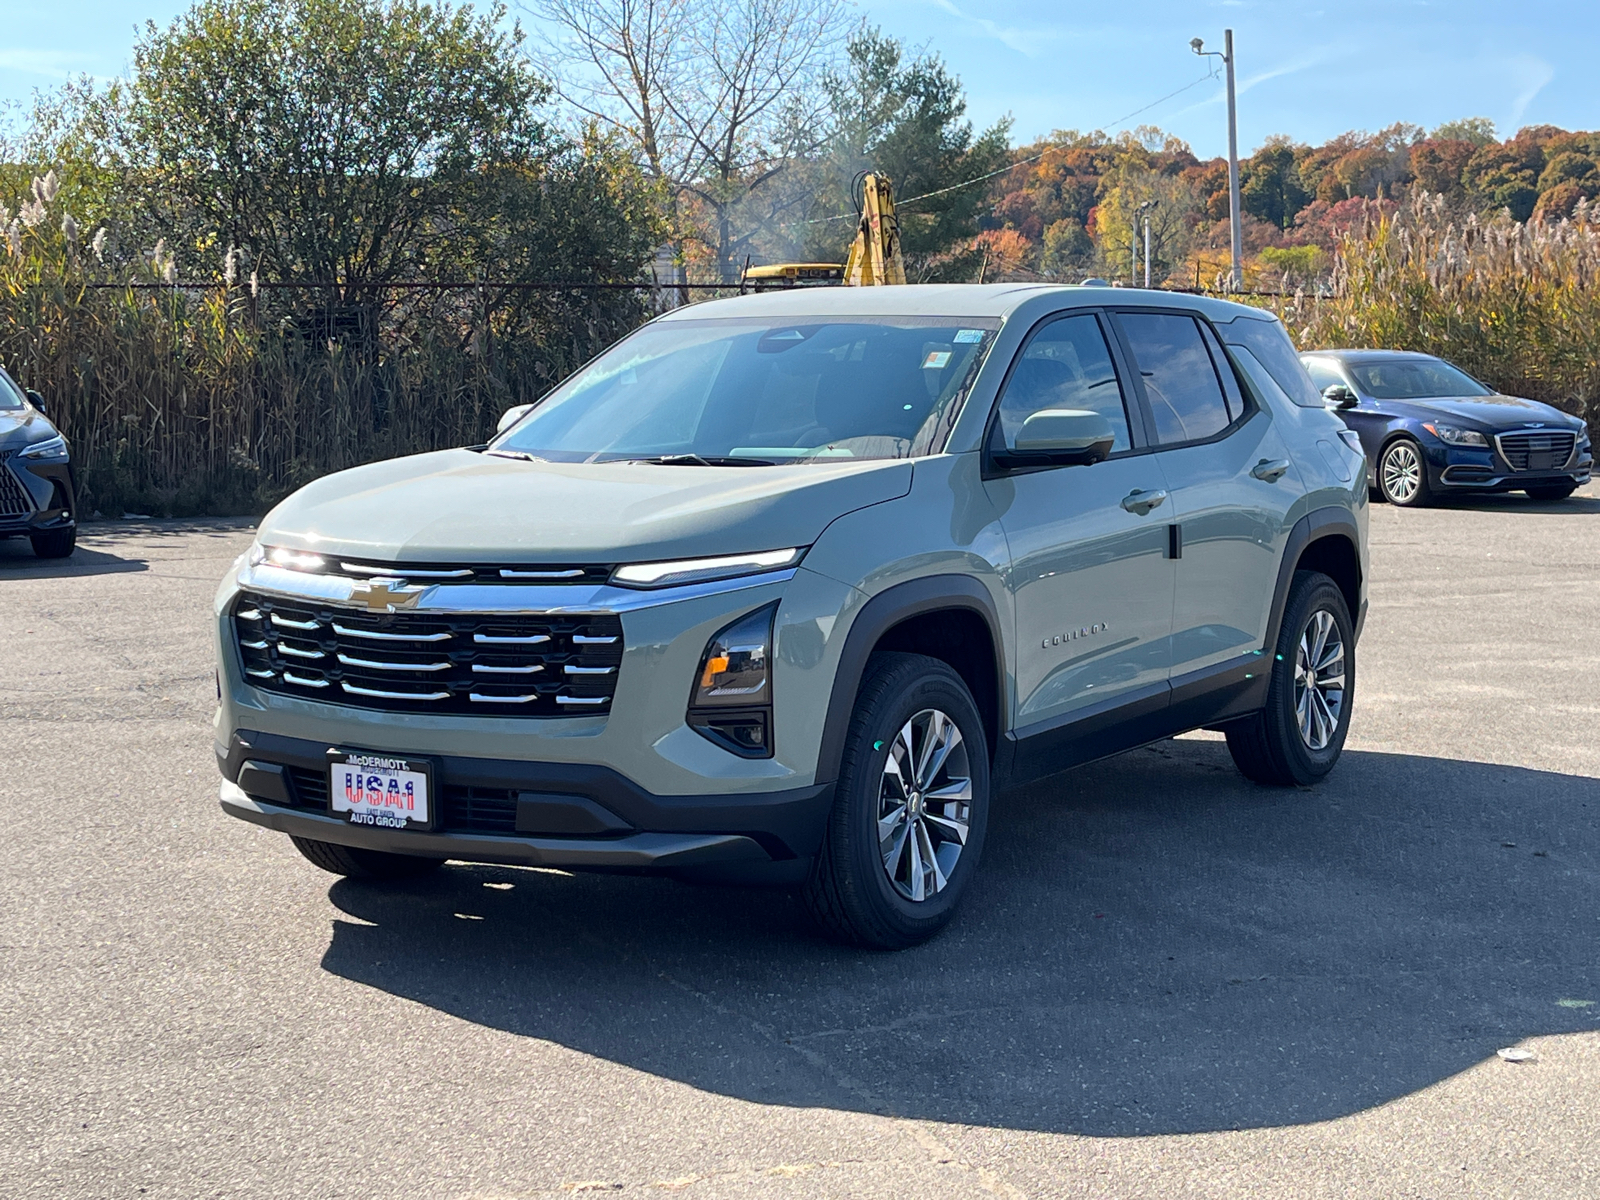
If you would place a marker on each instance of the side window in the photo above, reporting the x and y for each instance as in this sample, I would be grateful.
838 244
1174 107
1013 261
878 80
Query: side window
1231 392
1182 384
1322 373
1067 364
1266 338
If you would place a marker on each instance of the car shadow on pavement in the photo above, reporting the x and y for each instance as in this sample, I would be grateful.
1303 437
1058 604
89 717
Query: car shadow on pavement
18 561
1154 945
1515 502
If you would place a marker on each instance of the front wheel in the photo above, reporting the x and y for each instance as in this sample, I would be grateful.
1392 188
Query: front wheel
55 543
1555 491
1403 474
1299 735
373 866
909 813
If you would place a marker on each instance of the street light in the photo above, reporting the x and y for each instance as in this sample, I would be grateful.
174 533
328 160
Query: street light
1199 47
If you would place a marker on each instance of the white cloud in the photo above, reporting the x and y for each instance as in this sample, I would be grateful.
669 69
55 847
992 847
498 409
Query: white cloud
1028 42
1529 75
53 64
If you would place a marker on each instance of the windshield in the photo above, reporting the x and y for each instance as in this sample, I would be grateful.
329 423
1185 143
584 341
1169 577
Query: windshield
10 394
757 392
1414 379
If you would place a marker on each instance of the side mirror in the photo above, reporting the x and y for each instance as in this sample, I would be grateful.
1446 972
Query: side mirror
1338 395
1065 436
38 402
511 416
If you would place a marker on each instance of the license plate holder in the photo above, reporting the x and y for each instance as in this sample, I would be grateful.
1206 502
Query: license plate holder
381 791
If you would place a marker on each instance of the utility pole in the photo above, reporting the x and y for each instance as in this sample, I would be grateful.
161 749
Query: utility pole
1143 211
1235 229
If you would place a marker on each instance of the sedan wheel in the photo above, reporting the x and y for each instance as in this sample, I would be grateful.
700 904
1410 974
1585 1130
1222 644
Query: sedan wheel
1402 475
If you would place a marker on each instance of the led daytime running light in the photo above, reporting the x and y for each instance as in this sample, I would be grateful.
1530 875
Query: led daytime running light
698 570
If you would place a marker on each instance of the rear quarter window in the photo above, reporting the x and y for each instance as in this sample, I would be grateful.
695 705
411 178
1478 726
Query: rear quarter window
1269 342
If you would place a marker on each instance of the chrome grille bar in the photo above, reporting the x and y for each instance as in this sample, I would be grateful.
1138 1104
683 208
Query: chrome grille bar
377 665
380 694
379 636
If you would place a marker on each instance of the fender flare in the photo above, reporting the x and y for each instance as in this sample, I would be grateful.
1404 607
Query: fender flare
1313 527
932 593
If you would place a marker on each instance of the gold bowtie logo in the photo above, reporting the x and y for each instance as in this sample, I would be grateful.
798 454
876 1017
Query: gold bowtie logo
386 595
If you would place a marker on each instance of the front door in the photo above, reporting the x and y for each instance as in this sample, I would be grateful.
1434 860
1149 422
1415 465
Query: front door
1233 486
1089 572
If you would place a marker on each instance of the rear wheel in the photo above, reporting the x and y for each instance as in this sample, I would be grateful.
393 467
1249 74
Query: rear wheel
375 866
1299 735
54 543
1403 474
909 812
1554 491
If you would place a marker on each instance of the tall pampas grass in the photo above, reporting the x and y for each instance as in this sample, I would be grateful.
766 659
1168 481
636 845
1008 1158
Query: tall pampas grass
221 399
1515 304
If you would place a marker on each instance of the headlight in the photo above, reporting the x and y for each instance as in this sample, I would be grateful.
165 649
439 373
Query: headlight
700 570
731 701
279 556
50 450
1452 435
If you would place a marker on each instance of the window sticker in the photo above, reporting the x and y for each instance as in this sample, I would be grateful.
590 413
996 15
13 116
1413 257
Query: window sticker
969 335
937 360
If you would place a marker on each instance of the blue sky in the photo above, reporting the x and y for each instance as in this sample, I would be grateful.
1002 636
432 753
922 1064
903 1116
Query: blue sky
1309 70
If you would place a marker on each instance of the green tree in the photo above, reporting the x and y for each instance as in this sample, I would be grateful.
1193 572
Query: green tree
903 116
329 140
1476 131
1269 184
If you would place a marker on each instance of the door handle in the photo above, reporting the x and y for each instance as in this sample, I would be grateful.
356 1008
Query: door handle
1140 503
1270 470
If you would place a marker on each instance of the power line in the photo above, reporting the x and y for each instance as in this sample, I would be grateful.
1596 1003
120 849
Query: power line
1021 162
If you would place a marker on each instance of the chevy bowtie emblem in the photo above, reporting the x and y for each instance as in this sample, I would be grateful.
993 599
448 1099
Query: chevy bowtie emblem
386 595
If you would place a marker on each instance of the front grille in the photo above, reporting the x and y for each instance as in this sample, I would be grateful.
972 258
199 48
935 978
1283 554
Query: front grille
469 664
14 498
1537 451
461 809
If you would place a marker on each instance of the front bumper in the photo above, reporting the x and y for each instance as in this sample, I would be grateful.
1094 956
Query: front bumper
1459 469
576 816
51 493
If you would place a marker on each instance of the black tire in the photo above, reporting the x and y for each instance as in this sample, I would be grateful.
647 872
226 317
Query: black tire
54 543
850 892
1551 493
1391 461
373 866
1269 746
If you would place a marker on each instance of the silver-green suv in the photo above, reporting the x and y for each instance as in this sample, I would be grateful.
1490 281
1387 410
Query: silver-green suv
788 588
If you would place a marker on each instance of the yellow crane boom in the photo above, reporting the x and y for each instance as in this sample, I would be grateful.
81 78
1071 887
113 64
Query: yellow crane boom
875 256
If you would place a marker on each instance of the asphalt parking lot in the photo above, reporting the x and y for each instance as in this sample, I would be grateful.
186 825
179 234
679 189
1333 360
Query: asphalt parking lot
1168 982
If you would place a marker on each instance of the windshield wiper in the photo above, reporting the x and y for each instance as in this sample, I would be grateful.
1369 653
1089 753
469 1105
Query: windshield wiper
697 460
522 454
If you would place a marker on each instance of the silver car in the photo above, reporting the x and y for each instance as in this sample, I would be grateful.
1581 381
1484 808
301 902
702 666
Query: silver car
787 588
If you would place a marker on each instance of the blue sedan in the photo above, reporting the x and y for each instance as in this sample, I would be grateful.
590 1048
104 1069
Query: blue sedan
1429 429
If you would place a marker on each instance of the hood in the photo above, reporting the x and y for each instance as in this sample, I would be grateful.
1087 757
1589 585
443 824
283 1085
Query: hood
462 506
1497 413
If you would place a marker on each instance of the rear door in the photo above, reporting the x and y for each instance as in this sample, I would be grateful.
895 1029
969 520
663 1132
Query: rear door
1233 487
1089 573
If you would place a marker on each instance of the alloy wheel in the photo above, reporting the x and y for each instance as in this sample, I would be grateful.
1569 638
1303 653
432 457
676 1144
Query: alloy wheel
1319 680
1402 473
924 805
